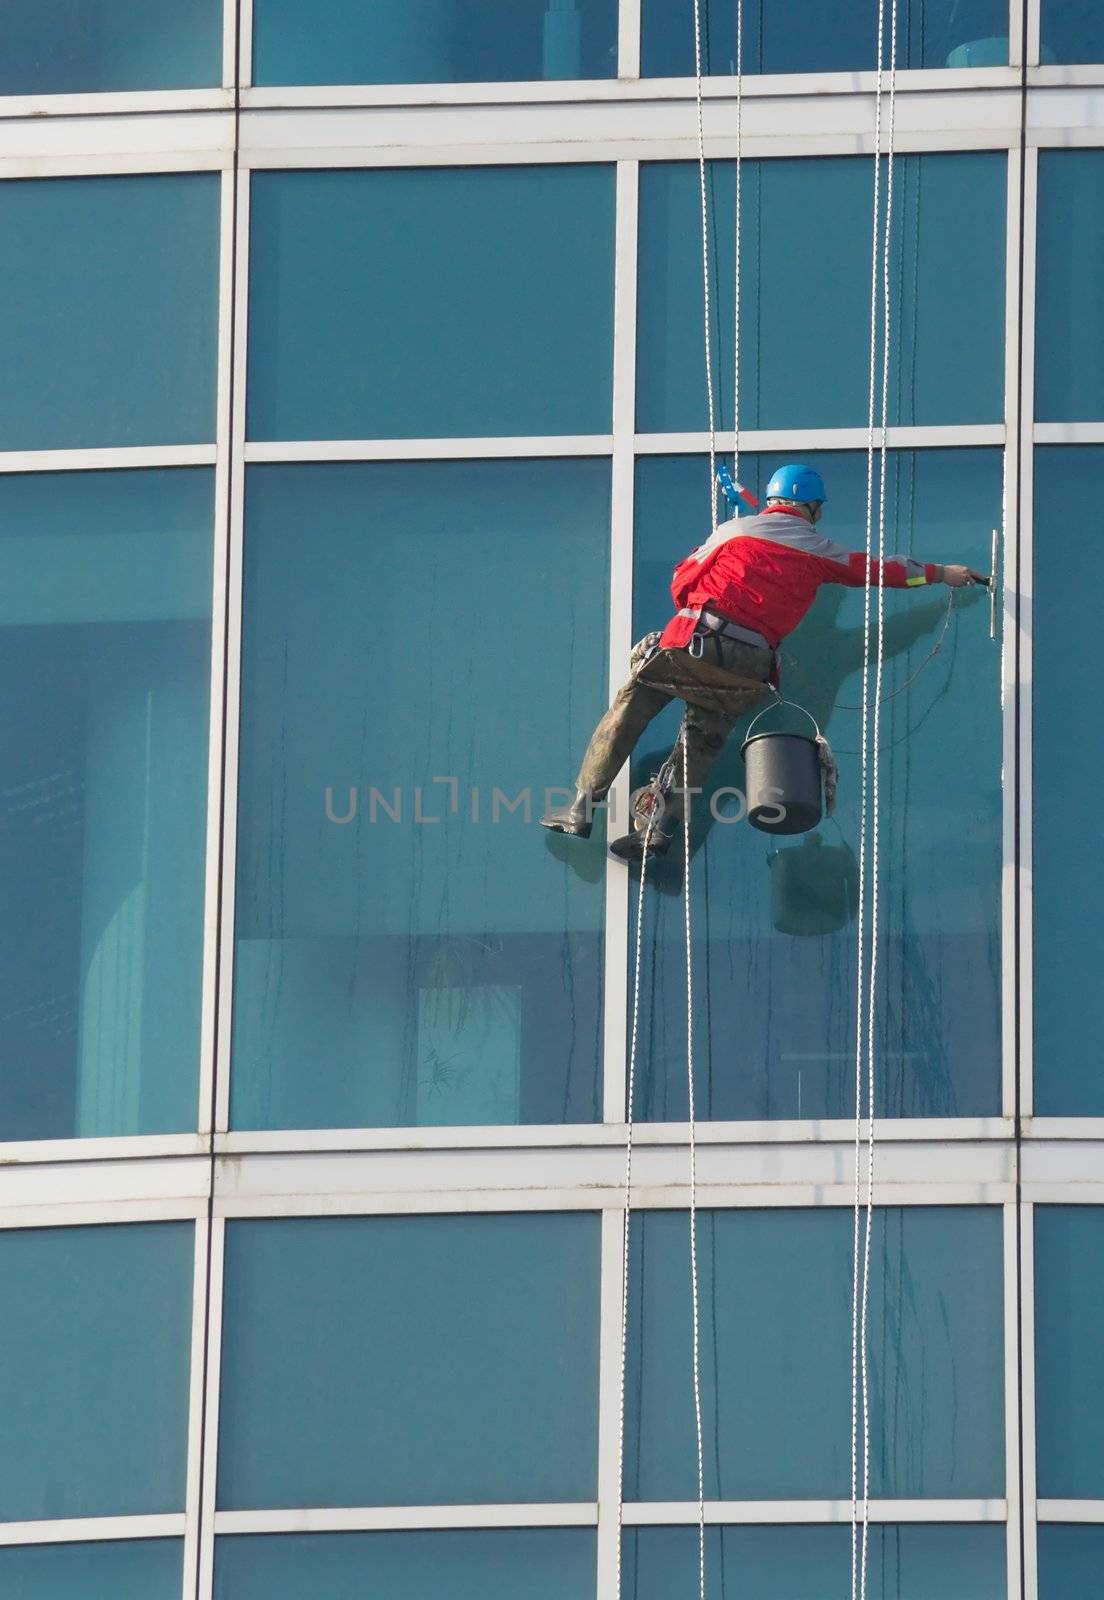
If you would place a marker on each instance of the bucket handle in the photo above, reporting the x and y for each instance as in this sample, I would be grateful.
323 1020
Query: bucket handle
772 705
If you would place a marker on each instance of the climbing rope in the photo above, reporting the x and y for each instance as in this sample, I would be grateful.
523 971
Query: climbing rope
739 214
705 266
866 986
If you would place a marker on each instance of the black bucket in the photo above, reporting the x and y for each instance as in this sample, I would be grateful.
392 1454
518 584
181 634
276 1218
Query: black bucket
783 781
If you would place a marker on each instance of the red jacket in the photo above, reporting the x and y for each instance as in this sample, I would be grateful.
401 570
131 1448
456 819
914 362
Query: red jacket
763 572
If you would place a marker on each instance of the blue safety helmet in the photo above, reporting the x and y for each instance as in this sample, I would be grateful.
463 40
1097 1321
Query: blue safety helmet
796 483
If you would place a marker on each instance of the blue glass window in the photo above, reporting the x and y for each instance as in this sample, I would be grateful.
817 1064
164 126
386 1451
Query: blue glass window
805 308
1069 1383
775 917
108 311
462 1564
411 946
433 41
1071 1560
808 36
1069 310
777 1409
105 645
1068 777
85 46
409 1360
921 1562
94 1382
1071 31
138 1569
431 303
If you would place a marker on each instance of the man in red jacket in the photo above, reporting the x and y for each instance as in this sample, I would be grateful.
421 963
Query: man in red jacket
738 595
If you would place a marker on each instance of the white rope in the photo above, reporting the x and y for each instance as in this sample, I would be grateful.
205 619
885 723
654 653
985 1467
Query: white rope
868 986
686 797
705 267
739 213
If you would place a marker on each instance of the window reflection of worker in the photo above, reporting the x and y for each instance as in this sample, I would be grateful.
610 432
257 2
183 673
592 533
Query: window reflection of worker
738 595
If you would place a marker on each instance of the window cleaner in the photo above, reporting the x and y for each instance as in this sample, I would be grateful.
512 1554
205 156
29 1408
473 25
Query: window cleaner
737 596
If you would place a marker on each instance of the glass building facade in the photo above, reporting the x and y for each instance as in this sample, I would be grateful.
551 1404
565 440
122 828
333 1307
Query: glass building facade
372 338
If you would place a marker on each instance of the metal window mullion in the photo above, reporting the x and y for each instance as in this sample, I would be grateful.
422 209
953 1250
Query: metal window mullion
1027 1392
1034 30
1023 566
628 38
216 731
193 1483
235 536
207 1500
609 1401
616 951
1009 688
245 42
1011 1344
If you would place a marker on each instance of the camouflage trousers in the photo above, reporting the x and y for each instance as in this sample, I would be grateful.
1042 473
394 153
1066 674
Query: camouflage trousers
716 697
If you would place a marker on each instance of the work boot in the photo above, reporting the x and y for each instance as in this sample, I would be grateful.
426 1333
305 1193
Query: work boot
633 846
576 818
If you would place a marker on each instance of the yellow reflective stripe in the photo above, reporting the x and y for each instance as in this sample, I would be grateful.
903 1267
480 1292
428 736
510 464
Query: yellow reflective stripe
911 583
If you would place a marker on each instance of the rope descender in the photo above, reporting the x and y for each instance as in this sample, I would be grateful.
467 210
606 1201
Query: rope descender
735 491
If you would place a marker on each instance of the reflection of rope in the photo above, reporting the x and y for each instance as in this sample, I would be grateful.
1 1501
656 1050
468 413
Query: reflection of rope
631 1092
860 1371
911 679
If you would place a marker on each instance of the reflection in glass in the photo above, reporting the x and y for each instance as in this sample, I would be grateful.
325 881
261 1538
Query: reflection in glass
105 643
809 36
778 1038
1069 1305
1071 1560
84 46
134 1569
911 1562
1071 32
1068 778
1069 309
411 946
433 41
108 311
94 1382
410 1360
461 1564
777 1410
948 350
431 303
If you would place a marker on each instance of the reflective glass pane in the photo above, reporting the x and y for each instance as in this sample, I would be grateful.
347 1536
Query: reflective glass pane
1068 780
139 1569
1069 308
409 1360
805 312
82 46
105 645
433 41
462 1564
775 918
777 1410
1069 1381
806 1563
1072 31
108 311
1071 1560
431 303
411 946
809 36
94 1381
